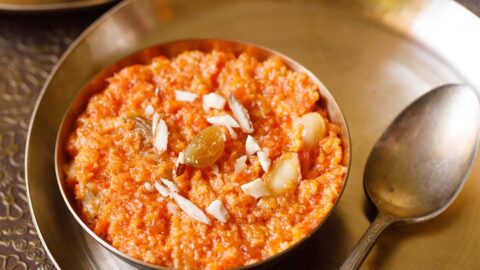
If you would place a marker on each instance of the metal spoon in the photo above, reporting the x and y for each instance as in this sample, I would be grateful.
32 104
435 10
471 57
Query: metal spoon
419 165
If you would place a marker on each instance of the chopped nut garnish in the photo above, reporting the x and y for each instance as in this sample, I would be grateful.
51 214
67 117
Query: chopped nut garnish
257 188
217 210
251 146
160 141
169 184
241 114
215 169
162 189
149 110
213 100
232 132
264 160
223 120
190 209
240 164
313 128
182 95
156 118
148 186
180 159
285 173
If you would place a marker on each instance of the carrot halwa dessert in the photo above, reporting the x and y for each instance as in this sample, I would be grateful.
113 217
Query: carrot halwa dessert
205 161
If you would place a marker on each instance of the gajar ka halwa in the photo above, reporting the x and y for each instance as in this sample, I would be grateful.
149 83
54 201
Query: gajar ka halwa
205 161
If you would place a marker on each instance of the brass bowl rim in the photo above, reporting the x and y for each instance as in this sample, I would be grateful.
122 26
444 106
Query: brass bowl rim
54 6
198 43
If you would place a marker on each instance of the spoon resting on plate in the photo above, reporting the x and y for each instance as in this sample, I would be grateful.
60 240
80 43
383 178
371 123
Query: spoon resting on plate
420 163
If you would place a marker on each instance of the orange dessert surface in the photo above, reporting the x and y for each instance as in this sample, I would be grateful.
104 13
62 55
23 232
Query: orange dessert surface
266 174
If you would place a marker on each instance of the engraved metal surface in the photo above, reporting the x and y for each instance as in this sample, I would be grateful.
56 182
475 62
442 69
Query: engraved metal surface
29 47
375 59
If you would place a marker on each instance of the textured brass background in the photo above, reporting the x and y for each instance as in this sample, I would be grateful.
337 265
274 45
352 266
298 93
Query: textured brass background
29 47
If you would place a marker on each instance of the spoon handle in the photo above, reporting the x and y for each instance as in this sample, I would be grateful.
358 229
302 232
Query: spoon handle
363 247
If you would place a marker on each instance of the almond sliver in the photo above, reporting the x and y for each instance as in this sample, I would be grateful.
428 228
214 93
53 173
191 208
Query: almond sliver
182 95
241 114
169 184
223 120
190 209
149 110
214 100
257 188
264 160
162 189
251 146
156 118
240 164
148 186
160 141
217 210
232 132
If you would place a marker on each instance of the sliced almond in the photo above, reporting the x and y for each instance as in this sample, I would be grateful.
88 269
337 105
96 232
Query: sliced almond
264 160
215 169
190 209
148 186
257 188
241 114
169 184
179 165
160 141
240 164
155 119
218 211
284 174
214 100
251 146
162 189
182 95
149 110
205 107
232 132
180 159
223 120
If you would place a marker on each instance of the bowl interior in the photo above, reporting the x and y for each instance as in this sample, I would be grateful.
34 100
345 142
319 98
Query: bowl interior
170 50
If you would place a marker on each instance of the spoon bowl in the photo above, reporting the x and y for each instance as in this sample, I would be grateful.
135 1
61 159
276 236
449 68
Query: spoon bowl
420 163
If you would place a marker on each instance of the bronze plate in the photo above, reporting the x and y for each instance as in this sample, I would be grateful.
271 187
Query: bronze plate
374 56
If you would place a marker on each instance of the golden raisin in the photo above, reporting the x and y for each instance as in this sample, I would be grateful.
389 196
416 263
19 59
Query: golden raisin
205 149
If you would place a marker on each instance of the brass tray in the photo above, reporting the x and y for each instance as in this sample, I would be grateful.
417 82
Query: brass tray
48 5
374 56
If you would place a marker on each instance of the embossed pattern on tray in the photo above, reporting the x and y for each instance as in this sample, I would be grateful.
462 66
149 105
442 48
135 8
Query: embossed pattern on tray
29 48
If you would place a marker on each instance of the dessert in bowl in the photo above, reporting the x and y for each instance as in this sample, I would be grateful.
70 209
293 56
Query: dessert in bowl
202 154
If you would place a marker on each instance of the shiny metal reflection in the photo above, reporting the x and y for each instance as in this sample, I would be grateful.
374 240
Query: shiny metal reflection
420 164
172 49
